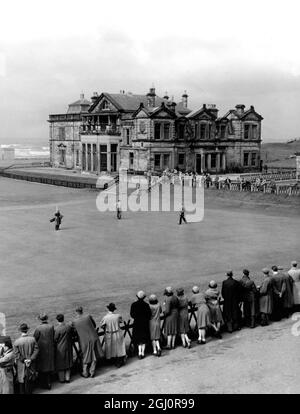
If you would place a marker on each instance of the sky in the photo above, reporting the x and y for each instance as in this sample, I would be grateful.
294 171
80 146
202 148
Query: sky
221 52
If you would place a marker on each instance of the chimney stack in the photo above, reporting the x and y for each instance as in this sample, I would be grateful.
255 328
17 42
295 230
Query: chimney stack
166 97
240 109
185 99
151 97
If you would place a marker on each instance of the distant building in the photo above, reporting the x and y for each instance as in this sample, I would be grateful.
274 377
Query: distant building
7 153
147 132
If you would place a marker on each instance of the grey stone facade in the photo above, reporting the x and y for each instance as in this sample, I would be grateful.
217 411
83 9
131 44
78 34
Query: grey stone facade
146 132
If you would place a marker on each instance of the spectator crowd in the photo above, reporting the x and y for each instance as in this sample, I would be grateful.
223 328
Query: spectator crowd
32 360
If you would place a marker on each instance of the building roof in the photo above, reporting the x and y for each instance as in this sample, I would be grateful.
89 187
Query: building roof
81 105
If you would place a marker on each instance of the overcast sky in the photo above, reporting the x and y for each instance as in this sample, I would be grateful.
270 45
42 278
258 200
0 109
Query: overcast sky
222 52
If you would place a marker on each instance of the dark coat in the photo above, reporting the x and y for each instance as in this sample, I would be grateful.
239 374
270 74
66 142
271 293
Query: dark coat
89 342
141 313
44 336
231 294
63 347
288 296
171 305
183 315
248 295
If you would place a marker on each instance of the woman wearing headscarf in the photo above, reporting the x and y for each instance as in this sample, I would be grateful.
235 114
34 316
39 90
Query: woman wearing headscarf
213 297
114 337
171 317
183 318
141 314
203 314
155 329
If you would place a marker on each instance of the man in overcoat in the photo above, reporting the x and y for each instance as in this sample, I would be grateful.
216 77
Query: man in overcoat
26 351
63 338
279 288
44 335
248 296
266 297
89 342
231 294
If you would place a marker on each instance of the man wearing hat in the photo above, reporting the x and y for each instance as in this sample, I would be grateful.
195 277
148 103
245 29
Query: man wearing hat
294 272
26 351
114 337
89 342
279 288
248 296
63 340
266 297
231 293
44 335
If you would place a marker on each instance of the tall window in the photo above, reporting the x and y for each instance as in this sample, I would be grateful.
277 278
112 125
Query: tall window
222 131
196 131
181 159
77 158
103 157
209 131
127 136
156 131
246 159
246 131
181 131
253 159
61 133
166 130
254 132
131 159
213 160
202 131
157 161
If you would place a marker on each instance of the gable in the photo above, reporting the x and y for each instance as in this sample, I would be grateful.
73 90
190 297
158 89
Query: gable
251 117
104 105
141 114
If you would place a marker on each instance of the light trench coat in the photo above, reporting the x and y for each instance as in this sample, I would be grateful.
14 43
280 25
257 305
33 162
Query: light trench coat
114 337
6 372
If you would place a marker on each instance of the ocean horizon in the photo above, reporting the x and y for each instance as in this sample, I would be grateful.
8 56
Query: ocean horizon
29 150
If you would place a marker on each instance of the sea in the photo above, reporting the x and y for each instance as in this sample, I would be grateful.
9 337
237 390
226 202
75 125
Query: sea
29 150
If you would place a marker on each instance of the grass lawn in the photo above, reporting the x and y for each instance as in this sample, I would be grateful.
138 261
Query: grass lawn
96 259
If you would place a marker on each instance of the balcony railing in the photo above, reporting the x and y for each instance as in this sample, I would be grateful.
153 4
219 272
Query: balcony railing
64 117
100 129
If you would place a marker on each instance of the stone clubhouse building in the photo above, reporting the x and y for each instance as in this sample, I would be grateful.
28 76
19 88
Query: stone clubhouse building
148 132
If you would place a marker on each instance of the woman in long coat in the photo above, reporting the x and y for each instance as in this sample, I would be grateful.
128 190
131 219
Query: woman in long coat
266 297
183 318
114 337
63 349
213 297
141 314
44 336
171 317
294 272
154 324
203 314
7 359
